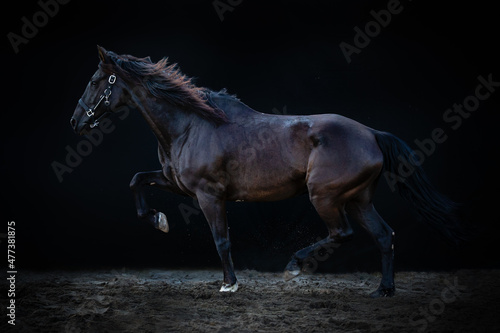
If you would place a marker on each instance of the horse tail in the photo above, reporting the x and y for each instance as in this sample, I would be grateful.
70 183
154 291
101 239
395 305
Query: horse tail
407 177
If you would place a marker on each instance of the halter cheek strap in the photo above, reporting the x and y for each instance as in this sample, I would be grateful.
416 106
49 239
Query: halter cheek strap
105 96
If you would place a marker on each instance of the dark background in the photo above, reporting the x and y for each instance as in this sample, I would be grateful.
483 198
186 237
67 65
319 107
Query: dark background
272 55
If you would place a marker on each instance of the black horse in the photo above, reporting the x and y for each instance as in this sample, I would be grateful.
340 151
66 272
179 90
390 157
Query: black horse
214 148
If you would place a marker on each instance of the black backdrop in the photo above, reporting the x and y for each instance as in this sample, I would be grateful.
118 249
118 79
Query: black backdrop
280 56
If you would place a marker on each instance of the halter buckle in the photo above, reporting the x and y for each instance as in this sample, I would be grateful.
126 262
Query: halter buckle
112 79
90 113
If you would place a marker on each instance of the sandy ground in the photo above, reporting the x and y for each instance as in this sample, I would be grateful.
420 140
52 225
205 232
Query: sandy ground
189 301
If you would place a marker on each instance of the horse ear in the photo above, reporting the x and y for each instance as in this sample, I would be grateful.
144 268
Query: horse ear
103 54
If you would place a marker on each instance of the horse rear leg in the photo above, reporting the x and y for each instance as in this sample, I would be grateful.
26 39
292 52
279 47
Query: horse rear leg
339 231
383 235
139 181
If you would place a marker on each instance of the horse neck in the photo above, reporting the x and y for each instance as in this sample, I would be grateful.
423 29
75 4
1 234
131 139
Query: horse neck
168 122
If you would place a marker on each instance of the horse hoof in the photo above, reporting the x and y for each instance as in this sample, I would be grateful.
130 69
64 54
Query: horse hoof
383 292
288 275
226 287
161 222
292 269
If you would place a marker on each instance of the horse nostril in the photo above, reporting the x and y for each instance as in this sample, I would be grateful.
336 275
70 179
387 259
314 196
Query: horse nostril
73 123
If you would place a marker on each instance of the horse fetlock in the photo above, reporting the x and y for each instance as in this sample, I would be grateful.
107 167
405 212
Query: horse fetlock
344 236
146 214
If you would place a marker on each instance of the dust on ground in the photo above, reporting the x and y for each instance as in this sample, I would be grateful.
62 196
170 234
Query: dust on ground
190 301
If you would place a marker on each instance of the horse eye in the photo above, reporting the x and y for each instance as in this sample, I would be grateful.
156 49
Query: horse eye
93 83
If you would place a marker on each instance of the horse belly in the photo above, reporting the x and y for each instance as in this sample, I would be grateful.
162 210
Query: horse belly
270 163
266 181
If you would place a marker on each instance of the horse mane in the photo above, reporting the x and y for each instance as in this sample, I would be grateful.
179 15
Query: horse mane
166 81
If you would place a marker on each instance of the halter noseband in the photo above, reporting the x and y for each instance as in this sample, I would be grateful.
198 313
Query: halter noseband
105 95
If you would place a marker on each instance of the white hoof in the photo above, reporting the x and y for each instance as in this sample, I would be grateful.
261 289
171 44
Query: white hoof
228 288
162 222
289 275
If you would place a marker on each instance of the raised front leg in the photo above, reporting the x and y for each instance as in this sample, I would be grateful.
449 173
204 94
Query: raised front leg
215 213
150 178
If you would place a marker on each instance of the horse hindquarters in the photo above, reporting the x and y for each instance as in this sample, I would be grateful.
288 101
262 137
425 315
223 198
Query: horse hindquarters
342 171
344 163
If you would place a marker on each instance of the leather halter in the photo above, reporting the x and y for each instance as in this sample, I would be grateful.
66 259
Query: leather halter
90 111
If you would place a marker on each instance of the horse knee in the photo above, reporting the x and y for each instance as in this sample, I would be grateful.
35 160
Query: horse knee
136 181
